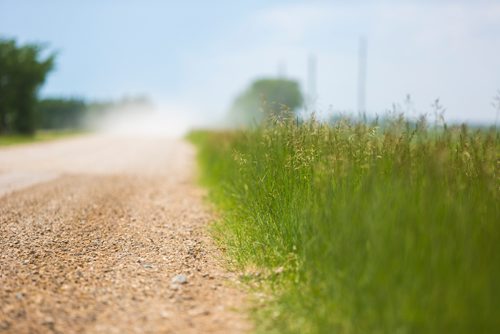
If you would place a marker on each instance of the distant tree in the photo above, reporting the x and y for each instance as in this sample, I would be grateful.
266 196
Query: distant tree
23 70
277 98
61 113
76 113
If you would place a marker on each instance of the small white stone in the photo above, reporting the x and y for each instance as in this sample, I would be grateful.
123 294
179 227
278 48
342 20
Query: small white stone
179 279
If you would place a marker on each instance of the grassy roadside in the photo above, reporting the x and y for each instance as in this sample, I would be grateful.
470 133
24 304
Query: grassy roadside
372 229
40 136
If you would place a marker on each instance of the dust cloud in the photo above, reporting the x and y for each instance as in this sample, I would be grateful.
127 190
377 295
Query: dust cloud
145 121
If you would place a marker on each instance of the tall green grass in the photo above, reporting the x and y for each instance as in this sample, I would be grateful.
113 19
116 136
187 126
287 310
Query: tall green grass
380 228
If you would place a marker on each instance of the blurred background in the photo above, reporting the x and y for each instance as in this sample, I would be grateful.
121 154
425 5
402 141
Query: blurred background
191 63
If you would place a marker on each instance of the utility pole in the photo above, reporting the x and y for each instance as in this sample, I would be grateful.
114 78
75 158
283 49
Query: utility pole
281 69
311 83
362 77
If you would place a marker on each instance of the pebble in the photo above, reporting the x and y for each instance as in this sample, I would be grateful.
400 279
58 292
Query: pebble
198 312
165 314
4 325
179 279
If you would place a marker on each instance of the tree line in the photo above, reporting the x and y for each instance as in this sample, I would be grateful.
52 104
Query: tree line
80 114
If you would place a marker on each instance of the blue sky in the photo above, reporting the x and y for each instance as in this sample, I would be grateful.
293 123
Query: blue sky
195 56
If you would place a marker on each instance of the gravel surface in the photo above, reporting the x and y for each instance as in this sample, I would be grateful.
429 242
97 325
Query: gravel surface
114 241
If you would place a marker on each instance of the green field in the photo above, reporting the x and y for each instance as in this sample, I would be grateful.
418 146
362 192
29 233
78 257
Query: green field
40 136
350 227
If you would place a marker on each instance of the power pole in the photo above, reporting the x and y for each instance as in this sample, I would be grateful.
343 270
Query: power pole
311 83
281 69
362 77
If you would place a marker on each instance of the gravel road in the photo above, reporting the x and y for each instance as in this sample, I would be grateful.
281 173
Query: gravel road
102 234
